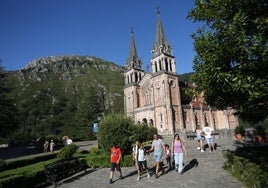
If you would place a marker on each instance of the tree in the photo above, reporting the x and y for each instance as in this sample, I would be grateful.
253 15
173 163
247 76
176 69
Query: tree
116 129
92 104
143 132
91 107
9 117
232 48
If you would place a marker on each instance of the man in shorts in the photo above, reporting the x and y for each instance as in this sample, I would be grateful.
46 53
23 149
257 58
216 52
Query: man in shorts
207 131
158 147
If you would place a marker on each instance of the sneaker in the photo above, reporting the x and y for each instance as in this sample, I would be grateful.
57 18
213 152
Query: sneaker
156 176
110 181
148 175
202 150
120 177
198 148
138 178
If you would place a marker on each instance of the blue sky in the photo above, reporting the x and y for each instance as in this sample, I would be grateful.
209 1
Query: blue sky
31 29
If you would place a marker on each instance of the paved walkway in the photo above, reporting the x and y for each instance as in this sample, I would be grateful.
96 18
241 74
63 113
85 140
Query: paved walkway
208 173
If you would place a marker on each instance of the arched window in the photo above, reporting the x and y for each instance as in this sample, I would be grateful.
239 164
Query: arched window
144 121
160 66
166 64
170 65
151 122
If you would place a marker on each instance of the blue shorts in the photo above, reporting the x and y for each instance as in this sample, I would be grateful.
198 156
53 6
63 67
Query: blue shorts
209 140
158 157
199 137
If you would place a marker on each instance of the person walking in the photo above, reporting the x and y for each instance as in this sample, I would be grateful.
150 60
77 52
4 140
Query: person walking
199 137
134 153
46 144
69 141
158 147
168 156
207 131
142 158
51 146
116 156
178 148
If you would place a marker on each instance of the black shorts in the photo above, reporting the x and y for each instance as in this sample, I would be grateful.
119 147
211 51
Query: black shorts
142 164
115 166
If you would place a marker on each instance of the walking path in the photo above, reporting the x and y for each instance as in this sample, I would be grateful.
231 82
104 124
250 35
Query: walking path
208 173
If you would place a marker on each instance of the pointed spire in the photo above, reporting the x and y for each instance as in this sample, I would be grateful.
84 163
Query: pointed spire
133 60
161 45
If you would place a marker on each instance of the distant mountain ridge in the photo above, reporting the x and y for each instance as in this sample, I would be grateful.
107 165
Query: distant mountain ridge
64 63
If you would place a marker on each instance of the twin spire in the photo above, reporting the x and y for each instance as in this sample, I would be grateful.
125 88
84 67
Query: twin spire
133 61
160 46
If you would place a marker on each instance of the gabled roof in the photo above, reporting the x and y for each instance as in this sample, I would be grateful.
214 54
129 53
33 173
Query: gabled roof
196 105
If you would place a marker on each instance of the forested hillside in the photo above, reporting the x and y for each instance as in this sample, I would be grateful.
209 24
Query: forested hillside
64 95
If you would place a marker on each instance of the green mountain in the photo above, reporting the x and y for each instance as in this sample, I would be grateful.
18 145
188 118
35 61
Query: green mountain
64 94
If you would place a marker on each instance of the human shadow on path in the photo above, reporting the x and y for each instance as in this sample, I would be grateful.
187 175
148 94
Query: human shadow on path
163 170
190 165
75 177
206 146
131 174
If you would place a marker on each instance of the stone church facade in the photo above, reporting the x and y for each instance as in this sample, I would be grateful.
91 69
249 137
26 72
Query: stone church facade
154 98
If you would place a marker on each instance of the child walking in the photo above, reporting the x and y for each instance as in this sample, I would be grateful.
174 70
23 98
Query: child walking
116 155
168 156
142 158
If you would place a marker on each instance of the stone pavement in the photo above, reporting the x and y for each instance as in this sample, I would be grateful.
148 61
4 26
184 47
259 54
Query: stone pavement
208 173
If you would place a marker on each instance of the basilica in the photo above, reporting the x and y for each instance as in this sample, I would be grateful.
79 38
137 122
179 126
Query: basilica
154 98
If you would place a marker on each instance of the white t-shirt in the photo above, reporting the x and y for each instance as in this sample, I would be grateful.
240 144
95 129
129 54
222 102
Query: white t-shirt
141 154
69 141
208 131
135 149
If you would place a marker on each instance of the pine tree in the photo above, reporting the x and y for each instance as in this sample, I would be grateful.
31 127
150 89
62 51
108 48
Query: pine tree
8 112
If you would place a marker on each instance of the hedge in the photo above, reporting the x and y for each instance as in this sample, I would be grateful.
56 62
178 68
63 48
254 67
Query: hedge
25 162
249 173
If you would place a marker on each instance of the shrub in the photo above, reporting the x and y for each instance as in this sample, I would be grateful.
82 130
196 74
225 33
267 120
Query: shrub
3 165
116 129
250 174
99 158
67 152
101 161
24 177
24 162
257 155
127 161
143 132
97 151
